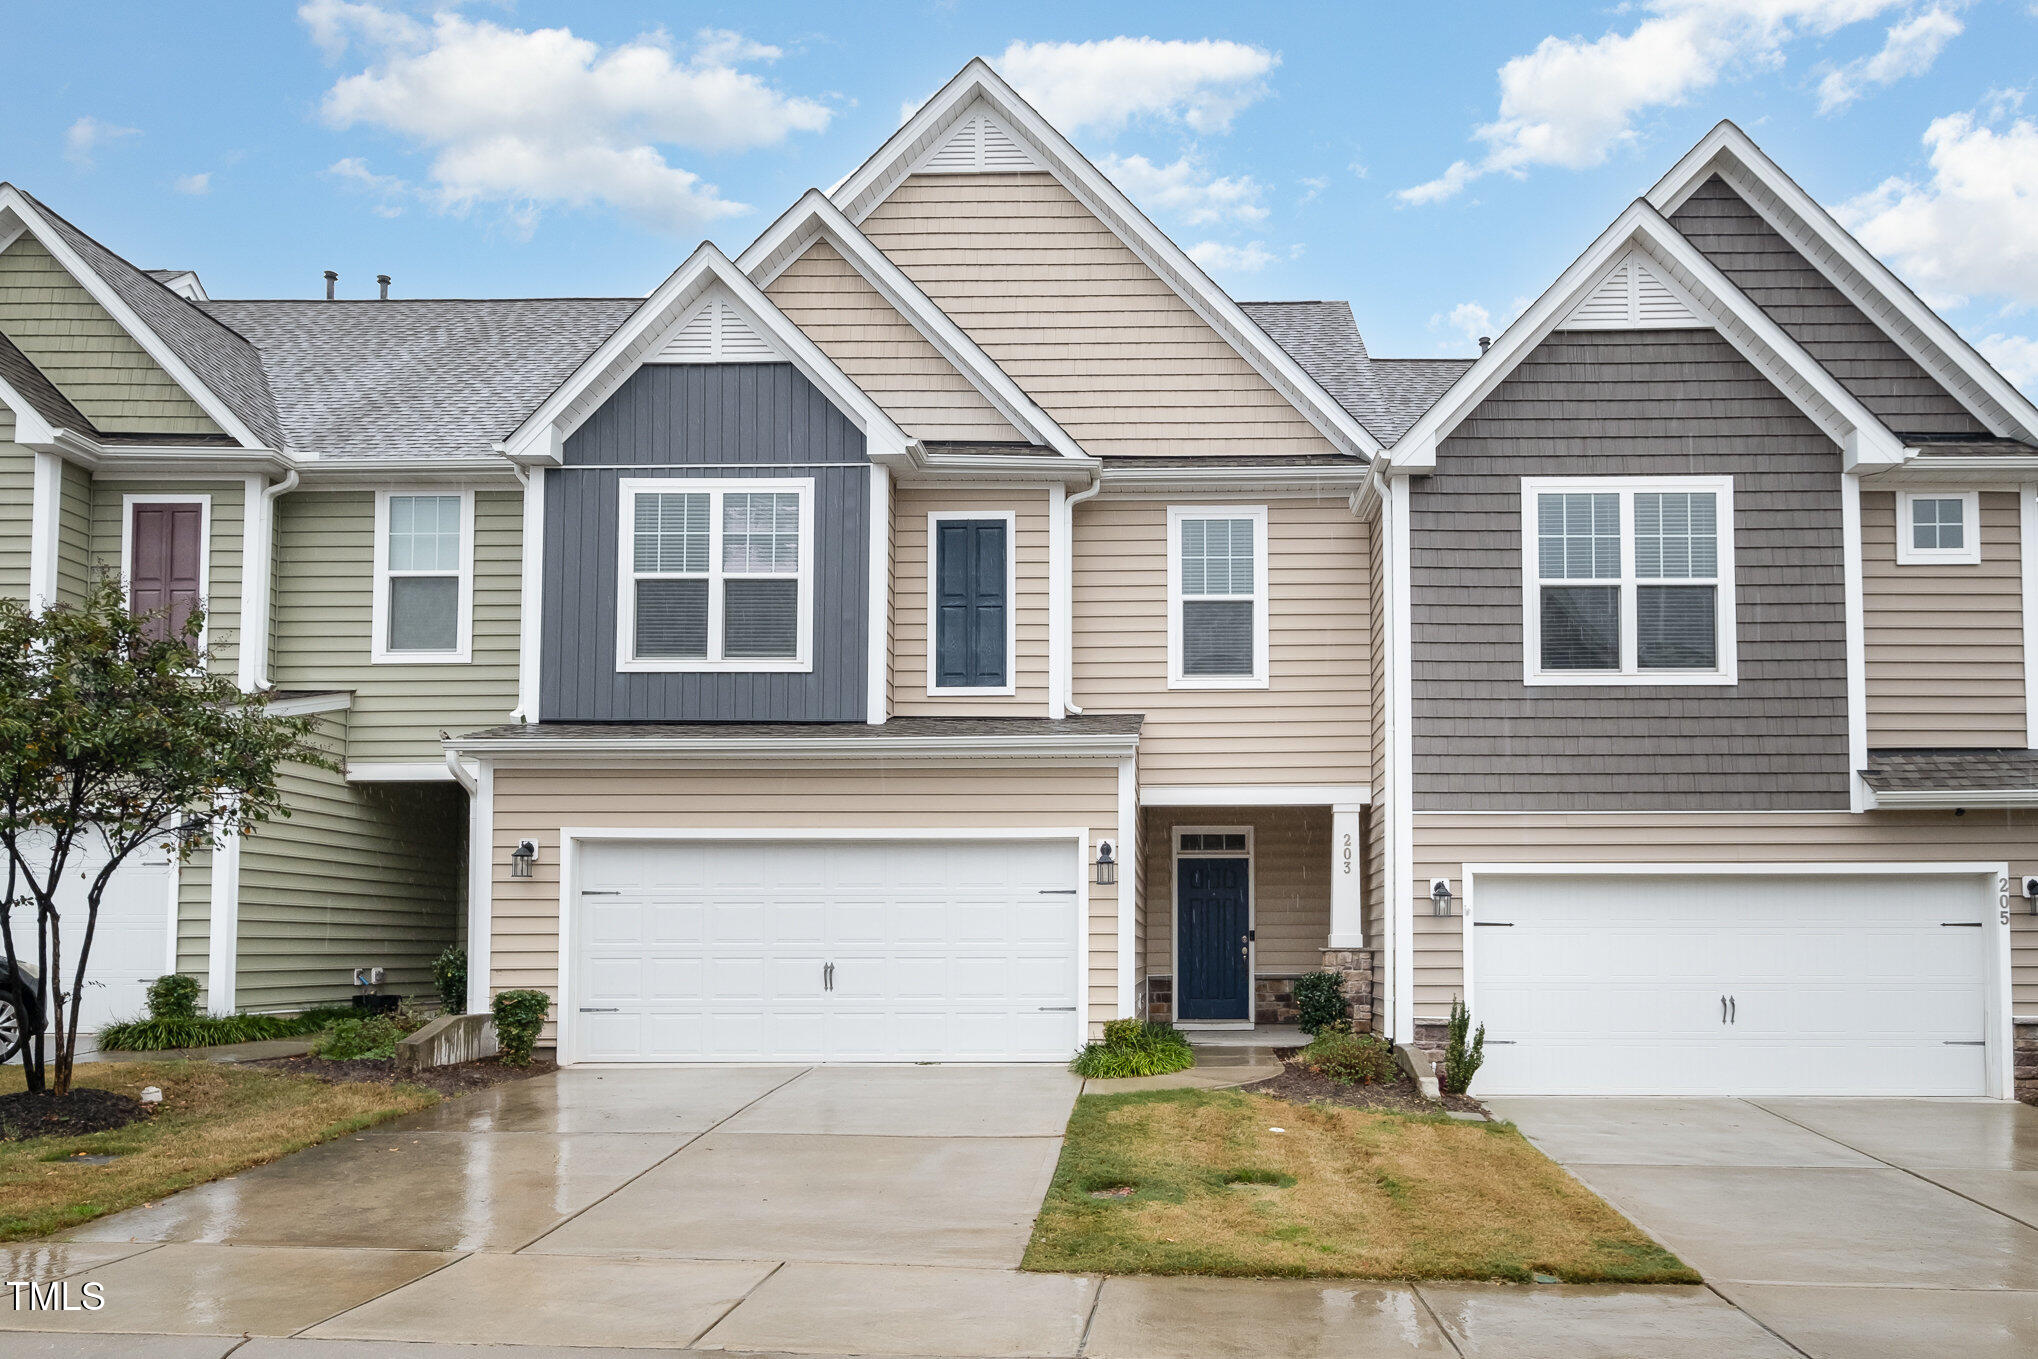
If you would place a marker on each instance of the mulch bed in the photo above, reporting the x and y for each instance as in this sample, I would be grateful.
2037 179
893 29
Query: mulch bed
447 1080
84 1110
1400 1096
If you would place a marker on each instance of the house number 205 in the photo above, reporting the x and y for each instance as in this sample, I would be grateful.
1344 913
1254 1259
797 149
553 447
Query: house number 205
1346 862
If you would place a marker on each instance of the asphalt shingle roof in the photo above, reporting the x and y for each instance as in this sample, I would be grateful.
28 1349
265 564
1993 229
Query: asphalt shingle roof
1385 395
417 378
39 392
1980 770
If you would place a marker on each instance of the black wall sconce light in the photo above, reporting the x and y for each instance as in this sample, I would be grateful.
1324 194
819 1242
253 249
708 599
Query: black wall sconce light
522 857
1106 865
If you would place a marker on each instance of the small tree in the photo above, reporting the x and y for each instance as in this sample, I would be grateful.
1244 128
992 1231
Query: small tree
112 729
1462 1058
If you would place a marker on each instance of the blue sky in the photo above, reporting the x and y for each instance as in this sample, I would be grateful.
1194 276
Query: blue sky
1435 164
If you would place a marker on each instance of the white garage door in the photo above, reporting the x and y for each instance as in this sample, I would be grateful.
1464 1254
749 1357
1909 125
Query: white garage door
130 945
1823 984
846 951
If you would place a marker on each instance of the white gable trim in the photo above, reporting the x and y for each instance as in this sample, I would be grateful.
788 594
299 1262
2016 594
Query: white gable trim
873 181
1709 295
542 435
1633 296
29 426
813 218
14 208
1862 278
716 332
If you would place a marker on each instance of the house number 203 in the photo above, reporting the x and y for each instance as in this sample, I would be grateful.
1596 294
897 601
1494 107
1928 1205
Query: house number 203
1345 862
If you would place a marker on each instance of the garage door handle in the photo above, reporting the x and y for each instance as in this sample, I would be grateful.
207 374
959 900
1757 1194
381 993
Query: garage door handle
1723 1009
827 976
1965 1043
1733 1009
600 1010
1058 1009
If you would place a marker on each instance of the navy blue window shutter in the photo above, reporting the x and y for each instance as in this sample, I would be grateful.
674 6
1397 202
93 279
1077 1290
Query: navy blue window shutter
969 604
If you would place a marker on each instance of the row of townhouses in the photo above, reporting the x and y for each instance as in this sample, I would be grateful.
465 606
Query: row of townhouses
955 622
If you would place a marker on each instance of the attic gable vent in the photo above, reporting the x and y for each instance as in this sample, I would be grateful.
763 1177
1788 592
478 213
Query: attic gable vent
979 142
716 333
1634 296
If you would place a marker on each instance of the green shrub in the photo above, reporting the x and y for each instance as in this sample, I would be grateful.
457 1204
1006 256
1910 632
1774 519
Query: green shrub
1134 1047
519 1015
1320 996
159 1033
358 1037
1462 1060
1350 1058
449 976
173 997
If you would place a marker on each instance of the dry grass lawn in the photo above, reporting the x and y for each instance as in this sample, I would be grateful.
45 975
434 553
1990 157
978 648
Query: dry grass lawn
1338 1192
215 1120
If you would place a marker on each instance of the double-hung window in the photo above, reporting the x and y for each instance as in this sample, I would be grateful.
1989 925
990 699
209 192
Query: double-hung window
1938 528
970 605
424 577
1628 580
1217 597
716 575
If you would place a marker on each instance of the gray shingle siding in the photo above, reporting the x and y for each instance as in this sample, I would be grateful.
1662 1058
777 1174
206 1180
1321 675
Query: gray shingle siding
1618 403
684 421
1817 315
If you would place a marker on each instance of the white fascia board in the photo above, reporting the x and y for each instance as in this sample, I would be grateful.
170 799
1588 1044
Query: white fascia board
872 182
1863 438
1956 797
637 338
1862 278
12 202
510 751
816 217
1232 477
30 429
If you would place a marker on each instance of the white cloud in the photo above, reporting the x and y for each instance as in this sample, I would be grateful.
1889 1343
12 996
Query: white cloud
388 191
1312 188
1110 82
1971 229
1184 190
2015 357
200 183
1572 101
1218 257
1909 48
534 119
1468 319
84 137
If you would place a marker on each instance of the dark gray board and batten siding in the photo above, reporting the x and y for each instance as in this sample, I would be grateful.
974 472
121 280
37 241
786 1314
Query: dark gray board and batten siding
1630 403
694 421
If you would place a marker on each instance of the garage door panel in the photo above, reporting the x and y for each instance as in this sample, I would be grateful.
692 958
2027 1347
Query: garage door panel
1839 984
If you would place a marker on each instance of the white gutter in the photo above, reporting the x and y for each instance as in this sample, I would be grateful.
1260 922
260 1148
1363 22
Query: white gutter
460 774
1064 557
631 744
1304 480
1978 798
258 584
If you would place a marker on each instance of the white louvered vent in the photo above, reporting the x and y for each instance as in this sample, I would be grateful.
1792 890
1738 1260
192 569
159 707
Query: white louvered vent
717 333
1631 297
976 143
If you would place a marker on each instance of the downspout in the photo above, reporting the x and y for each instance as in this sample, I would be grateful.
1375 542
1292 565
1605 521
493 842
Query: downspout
265 564
530 588
460 774
1068 572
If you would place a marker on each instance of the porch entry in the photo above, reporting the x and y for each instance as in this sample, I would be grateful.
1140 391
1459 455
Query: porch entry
1213 925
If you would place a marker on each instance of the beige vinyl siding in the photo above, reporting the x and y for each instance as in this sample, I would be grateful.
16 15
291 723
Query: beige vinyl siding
1311 725
223 562
17 509
1945 642
1076 319
323 607
84 352
75 569
910 621
535 804
1446 841
1291 863
882 352
359 875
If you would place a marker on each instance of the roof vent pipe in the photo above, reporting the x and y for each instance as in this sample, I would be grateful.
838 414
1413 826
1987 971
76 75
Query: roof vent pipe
332 283
383 279
1485 343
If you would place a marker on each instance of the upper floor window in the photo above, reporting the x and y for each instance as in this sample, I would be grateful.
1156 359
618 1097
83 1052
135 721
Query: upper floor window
970 589
1938 527
1217 597
1628 580
716 575
424 576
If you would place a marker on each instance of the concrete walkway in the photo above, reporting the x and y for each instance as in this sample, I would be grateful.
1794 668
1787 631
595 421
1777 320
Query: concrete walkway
823 1211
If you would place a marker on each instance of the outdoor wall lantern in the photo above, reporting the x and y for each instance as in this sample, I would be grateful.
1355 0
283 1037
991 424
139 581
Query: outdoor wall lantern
1440 896
522 857
1106 865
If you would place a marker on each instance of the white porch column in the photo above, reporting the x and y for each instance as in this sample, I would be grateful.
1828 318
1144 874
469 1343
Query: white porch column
224 927
1347 878
44 513
480 883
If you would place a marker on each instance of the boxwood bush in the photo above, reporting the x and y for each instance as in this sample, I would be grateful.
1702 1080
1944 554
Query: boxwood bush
519 1016
1350 1058
1320 996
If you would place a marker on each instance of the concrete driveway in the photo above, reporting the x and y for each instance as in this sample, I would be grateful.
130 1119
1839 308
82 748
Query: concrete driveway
1850 1228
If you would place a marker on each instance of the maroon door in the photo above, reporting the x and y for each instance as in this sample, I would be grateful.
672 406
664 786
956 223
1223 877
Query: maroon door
165 550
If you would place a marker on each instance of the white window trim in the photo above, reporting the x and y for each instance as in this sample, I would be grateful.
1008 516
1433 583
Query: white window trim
1252 920
379 652
204 503
1258 678
1725 672
1011 686
1970 522
627 662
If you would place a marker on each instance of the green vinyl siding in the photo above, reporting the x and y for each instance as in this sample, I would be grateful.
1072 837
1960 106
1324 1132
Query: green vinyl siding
359 875
323 609
17 509
223 564
85 353
74 536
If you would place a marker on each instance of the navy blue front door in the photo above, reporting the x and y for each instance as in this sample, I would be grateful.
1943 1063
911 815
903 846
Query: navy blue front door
1212 917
